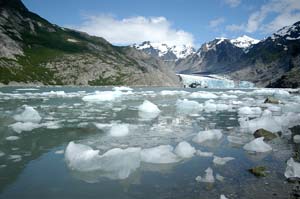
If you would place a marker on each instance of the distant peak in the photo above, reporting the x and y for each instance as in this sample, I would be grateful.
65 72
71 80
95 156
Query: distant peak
244 41
162 48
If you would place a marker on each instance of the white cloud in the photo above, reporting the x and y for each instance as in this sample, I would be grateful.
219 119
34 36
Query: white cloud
281 12
216 22
135 30
232 3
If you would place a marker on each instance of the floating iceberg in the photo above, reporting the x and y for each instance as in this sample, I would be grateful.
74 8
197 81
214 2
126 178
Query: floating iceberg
292 169
208 177
28 115
12 138
207 135
223 197
203 95
116 163
103 96
249 111
204 154
122 88
187 106
258 145
162 154
184 150
170 92
24 126
221 161
148 110
119 130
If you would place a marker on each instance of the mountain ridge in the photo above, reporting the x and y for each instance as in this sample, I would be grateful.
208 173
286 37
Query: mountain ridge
34 50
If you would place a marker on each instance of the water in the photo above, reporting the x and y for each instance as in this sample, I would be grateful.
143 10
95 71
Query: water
34 165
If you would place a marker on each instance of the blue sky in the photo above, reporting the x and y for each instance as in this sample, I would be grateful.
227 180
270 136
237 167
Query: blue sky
175 22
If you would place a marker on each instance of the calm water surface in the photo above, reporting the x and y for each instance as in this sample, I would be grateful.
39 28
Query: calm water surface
34 165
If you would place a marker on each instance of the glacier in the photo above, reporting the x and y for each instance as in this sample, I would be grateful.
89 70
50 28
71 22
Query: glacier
212 81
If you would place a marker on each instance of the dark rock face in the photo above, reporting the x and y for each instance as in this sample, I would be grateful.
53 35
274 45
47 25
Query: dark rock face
217 56
32 50
264 133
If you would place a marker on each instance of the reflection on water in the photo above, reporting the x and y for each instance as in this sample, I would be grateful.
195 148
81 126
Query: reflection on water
34 165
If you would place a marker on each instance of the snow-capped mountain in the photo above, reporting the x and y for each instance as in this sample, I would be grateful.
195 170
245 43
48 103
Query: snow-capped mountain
165 51
244 41
288 32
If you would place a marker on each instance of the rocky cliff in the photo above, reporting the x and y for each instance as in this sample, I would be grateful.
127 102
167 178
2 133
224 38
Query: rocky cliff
32 50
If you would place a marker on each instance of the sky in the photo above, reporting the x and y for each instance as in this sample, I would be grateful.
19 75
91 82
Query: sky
175 22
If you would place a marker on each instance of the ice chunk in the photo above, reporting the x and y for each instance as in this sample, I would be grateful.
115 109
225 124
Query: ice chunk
170 92
221 161
292 169
15 158
122 88
296 138
225 96
12 138
249 111
59 152
203 136
116 163
28 115
219 177
119 130
24 126
2 154
103 125
103 96
209 106
257 145
223 107
81 157
204 95
208 177
162 154
184 150
188 106
51 125
266 122
204 154
148 110
223 197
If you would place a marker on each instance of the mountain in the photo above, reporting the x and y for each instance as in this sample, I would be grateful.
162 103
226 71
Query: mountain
244 42
164 51
273 62
216 56
32 50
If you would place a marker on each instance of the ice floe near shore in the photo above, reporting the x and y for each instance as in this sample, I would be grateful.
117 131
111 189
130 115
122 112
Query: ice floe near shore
208 177
103 96
28 115
119 130
292 169
118 163
148 110
187 106
208 135
257 145
221 161
185 150
159 155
